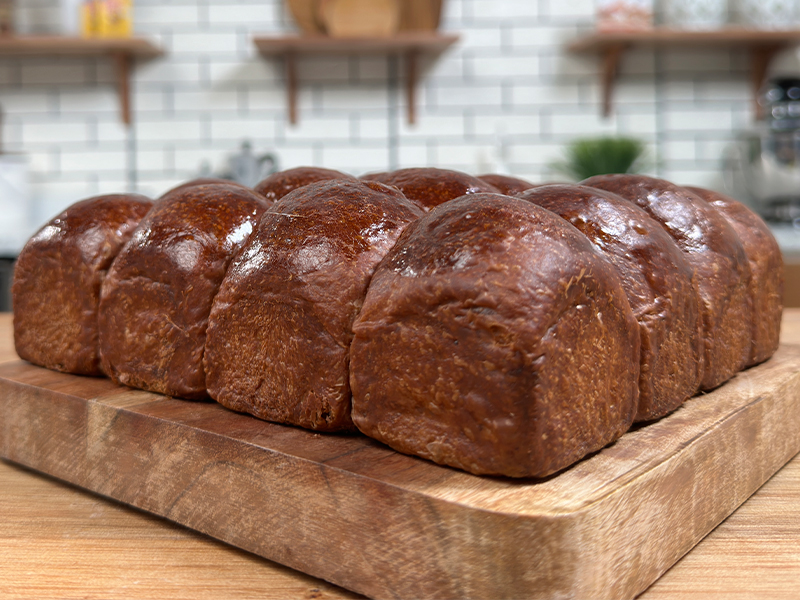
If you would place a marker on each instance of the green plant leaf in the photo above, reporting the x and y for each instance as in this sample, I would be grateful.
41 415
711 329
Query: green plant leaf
586 157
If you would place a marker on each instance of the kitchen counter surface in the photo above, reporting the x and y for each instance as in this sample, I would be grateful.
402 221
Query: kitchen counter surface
58 541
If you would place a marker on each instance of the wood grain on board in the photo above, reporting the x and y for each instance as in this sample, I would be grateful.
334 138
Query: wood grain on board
355 513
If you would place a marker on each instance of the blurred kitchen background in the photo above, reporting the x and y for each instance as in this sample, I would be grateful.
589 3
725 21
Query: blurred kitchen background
507 96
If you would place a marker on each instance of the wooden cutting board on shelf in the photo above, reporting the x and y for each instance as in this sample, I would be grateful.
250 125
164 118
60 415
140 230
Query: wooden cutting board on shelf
351 511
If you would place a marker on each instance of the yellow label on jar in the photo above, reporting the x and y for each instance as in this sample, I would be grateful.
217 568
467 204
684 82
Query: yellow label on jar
115 18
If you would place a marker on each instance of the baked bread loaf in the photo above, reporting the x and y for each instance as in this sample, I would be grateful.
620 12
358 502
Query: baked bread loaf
505 184
766 267
657 280
714 251
496 339
57 279
277 185
280 328
155 301
429 187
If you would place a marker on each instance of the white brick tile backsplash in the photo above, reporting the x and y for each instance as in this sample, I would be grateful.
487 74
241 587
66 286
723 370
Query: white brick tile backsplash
22 102
178 16
249 72
679 149
172 71
537 37
503 10
699 120
313 129
166 130
80 100
465 95
567 125
738 89
509 78
105 160
203 43
568 9
53 132
218 100
413 155
238 14
293 156
36 71
522 96
490 68
356 160
236 130
350 97
434 125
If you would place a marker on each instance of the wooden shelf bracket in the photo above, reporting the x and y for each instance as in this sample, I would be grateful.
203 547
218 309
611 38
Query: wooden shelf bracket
611 58
122 52
410 45
763 46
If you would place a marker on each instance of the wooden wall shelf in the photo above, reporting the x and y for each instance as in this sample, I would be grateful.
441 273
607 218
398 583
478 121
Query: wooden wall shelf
611 46
123 52
408 44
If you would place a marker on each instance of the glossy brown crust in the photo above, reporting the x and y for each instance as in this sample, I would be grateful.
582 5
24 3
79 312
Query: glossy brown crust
429 187
713 249
203 181
156 298
277 185
57 281
494 338
280 328
766 266
505 184
658 282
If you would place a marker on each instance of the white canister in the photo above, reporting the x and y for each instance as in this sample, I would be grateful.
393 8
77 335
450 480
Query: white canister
695 14
767 14
70 17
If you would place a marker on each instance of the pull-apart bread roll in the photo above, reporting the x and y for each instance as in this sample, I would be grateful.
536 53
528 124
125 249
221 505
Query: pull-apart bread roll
496 339
505 184
277 185
766 266
429 187
657 280
281 326
712 248
156 298
57 279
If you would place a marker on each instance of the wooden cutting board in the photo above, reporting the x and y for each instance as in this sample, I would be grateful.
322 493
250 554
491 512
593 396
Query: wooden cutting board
354 512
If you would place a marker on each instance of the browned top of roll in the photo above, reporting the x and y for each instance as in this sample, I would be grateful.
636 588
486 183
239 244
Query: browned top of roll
766 266
277 185
203 181
494 338
156 298
57 281
715 252
505 184
657 280
280 329
429 187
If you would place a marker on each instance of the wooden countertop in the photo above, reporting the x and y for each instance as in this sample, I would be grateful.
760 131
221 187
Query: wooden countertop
57 541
